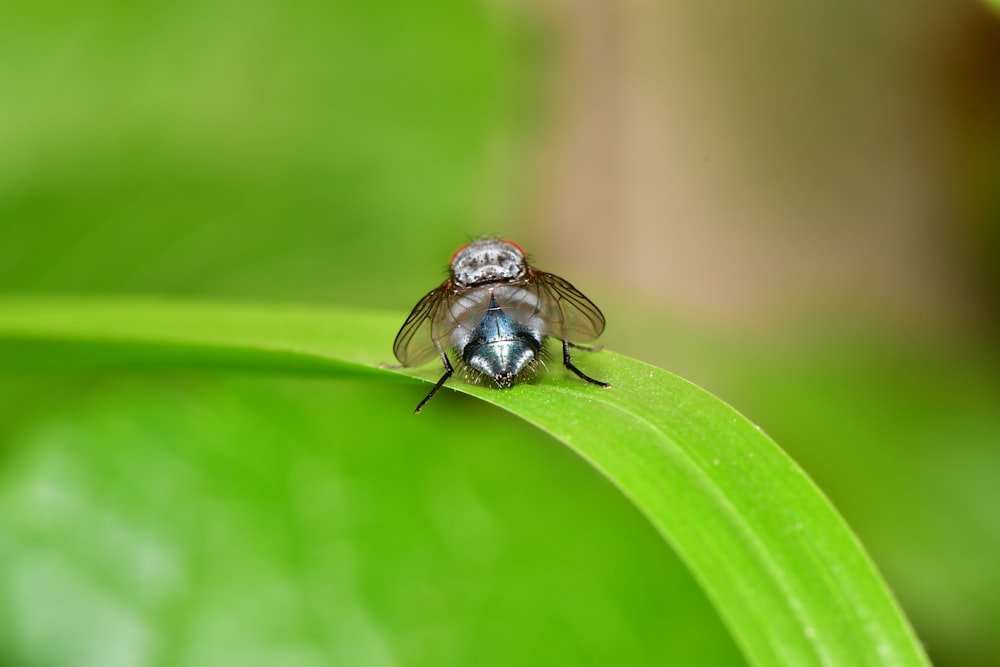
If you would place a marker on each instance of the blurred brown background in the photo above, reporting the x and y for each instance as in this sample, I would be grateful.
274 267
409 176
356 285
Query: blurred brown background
762 164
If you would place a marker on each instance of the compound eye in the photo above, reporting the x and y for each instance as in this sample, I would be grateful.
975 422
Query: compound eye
514 246
456 253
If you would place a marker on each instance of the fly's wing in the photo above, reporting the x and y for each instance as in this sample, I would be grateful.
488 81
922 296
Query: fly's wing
551 305
417 341
464 311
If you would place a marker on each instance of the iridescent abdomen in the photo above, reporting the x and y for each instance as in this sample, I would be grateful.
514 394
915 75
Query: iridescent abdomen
500 347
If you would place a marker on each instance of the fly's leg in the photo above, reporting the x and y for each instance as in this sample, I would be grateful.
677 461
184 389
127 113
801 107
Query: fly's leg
568 363
448 370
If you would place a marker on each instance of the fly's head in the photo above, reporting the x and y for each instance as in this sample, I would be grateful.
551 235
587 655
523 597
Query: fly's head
487 261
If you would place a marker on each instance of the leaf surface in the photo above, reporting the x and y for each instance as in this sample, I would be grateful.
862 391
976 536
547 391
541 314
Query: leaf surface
784 571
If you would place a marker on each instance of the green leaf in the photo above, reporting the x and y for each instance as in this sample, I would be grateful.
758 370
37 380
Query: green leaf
785 573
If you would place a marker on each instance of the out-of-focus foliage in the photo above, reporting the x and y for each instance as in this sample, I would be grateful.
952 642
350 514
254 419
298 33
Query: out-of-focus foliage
212 147
261 523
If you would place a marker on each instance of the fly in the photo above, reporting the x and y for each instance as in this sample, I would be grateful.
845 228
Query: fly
494 313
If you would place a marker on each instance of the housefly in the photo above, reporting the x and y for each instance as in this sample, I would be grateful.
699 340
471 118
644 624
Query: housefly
494 313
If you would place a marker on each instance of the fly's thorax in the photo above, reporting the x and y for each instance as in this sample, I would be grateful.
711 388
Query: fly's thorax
487 261
493 313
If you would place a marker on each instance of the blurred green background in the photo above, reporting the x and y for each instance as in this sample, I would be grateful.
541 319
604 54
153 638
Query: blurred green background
795 206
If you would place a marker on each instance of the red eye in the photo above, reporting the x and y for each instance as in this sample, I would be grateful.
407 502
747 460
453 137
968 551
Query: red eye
515 246
455 254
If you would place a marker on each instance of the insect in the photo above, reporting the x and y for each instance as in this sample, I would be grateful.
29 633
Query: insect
494 313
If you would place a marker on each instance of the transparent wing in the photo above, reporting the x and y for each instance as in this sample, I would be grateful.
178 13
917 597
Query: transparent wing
552 305
416 342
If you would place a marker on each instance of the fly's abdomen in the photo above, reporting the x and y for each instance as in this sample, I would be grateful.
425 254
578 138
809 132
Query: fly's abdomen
500 347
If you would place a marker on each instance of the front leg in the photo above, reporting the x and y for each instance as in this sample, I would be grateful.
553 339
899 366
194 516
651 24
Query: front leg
448 370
